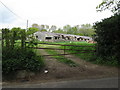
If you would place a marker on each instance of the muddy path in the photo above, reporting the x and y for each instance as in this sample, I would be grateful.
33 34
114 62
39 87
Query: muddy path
95 70
58 71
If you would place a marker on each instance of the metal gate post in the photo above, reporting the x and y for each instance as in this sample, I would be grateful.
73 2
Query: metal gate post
64 50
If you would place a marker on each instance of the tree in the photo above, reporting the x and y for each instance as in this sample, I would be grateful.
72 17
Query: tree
43 30
47 27
59 31
67 28
112 5
42 27
35 25
73 30
86 26
107 37
53 28
86 30
83 30
6 37
16 31
32 30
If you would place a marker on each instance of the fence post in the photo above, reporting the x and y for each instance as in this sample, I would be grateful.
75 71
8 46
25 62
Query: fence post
64 50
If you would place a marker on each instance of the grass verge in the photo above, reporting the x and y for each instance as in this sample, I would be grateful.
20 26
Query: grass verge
62 58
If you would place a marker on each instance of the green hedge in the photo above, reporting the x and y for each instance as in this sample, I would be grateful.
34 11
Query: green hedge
16 55
108 38
18 60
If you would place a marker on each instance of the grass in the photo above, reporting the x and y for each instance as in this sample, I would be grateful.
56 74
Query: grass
62 58
85 56
73 42
109 61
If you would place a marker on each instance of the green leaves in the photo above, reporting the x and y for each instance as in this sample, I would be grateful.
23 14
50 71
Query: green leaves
107 37
32 30
83 30
16 55
19 60
112 5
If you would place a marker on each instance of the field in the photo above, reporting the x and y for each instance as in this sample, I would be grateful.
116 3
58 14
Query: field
81 48
84 51
83 54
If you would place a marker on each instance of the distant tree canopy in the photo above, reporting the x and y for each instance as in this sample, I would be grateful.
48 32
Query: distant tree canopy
59 31
32 30
44 27
112 5
86 30
83 30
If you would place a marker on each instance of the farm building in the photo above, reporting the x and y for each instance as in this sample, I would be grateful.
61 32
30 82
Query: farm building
48 36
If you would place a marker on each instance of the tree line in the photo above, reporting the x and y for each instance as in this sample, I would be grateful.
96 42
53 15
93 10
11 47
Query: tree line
83 30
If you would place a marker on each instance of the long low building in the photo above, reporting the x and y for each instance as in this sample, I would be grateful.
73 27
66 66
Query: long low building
54 37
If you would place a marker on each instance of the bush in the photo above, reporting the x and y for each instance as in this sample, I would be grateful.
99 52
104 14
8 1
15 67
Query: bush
16 55
109 61
107 37
16 59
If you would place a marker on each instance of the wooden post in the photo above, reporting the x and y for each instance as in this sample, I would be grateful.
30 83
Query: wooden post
23 38
7 38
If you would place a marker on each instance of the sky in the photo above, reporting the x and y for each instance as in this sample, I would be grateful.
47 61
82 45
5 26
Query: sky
50 12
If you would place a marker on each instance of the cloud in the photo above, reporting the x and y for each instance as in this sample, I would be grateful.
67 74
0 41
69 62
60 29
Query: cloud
6 16
52 12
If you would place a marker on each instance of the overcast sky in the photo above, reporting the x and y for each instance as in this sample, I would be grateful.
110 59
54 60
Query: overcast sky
50 12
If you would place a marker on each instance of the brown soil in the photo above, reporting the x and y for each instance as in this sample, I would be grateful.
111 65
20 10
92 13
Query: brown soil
58 71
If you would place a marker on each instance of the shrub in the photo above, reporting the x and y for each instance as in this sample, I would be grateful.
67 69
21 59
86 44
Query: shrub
16 55
16 59
107 37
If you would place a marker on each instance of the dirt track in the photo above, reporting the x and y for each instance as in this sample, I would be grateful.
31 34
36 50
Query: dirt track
59 71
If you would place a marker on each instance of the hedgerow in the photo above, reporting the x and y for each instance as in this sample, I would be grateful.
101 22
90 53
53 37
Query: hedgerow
18 56
107 37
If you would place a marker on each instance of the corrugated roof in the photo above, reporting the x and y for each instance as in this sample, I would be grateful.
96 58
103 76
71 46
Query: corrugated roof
56 34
